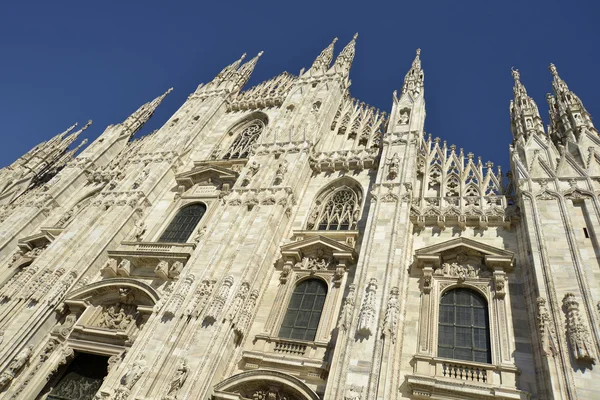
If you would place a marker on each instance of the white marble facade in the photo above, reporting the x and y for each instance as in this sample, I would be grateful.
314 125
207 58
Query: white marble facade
301 187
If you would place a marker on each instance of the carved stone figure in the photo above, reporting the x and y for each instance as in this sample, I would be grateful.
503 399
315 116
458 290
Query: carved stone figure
403 117
394 166
179 378
117 316
354 393
130 378
280 173
579 338
199 234
345 319
366 318
390 322
545 327
314 264
15 366
140 229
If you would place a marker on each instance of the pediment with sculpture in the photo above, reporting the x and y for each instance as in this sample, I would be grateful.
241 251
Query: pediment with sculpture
316 254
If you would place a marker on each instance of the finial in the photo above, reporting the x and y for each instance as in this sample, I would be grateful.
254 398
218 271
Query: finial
242 57
87 125
552 69
418 52
515 73
355 36
335 39
169 91
260 53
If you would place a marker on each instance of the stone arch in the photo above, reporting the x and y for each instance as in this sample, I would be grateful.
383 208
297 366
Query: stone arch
273 384
116 289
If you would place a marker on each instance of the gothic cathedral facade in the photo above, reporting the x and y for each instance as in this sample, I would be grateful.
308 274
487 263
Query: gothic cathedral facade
289 242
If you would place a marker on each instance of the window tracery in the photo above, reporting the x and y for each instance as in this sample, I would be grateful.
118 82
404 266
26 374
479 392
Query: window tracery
339 210
182 226
242 145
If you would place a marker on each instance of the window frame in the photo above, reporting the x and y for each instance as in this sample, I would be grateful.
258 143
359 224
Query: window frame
492 288
181 202
475 294
297 284
332 305
175 215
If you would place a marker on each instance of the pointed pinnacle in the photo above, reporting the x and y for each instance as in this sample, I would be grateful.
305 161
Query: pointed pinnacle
553 70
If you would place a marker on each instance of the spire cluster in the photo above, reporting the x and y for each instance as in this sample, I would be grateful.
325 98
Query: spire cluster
568 116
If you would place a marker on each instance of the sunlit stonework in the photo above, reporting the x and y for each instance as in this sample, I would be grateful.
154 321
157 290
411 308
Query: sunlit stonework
290 242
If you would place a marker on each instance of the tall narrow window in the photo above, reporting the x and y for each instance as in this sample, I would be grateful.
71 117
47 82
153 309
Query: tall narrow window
184 223
338 211
304 311
464 330
241 146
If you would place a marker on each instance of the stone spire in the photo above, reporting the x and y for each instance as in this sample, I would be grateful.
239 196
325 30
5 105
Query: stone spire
245 71
413 81
323 61
136 120
568 116
228 70
73 136
345 58
524 115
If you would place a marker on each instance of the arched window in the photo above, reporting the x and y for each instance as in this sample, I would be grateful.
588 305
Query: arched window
304 311
464 329
241 146
184 223
338 211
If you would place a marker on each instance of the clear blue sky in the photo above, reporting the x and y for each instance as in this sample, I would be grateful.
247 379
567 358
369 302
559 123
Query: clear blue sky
67 61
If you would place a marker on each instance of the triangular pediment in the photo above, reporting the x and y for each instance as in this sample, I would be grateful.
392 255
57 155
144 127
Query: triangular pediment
207 174
302 248
465 248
